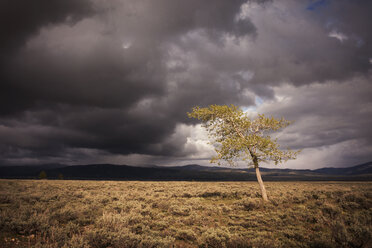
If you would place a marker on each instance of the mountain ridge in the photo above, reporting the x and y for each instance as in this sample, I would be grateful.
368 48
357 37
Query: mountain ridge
361 172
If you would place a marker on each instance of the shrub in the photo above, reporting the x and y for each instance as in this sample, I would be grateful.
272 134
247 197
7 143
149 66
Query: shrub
76 241
71 214
181 210
64 216
210 194
330 211
42 175
250 205
215 238
186 235
239 242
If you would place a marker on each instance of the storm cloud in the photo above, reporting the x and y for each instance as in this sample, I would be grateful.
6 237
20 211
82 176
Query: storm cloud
111 81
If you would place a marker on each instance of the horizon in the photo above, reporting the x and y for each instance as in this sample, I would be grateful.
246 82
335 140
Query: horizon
57 165
92 82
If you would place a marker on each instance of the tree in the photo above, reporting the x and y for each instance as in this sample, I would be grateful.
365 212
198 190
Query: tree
60 176
42 175
240 138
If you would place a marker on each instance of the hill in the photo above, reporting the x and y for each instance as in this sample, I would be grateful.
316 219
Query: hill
361 172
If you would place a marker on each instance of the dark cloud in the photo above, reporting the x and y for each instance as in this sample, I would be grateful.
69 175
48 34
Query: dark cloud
20 19
333 118
113 80
83 79
294 45
112 59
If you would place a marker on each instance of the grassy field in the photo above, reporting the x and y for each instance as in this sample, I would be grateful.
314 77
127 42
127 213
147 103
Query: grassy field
113 214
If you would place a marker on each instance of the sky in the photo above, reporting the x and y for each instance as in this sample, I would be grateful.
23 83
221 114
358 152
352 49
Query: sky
111 81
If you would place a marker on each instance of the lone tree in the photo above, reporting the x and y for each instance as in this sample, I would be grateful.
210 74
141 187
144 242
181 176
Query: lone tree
239 137
42 175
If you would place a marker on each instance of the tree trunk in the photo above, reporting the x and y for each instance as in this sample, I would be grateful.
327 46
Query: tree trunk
258 174
262 186
259 179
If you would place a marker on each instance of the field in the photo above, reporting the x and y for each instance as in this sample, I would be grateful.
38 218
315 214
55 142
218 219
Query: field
57 213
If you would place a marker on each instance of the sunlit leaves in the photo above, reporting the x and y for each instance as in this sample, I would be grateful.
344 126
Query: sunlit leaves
239 137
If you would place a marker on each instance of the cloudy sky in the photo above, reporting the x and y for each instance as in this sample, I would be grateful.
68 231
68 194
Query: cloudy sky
110 81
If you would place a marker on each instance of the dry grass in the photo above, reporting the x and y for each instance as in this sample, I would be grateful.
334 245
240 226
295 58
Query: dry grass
184 214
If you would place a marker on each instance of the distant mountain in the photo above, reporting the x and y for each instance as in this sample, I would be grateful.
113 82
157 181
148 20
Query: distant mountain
197 167
361 172
355 170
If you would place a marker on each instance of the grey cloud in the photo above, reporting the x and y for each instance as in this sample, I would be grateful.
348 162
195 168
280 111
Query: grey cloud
81 84
293 44
20 19
64 60
165 18
327 115
87 79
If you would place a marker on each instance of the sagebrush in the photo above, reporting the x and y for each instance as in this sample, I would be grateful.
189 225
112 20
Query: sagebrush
45 213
